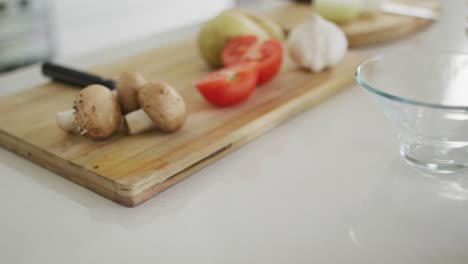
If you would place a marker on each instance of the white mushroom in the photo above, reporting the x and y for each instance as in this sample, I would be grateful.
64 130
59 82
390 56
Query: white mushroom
95 114
161 107
128 85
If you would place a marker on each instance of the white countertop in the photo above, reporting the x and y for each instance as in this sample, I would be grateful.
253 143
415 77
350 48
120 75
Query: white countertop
324 187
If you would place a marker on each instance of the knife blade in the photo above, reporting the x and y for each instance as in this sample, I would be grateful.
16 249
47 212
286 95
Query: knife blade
408 10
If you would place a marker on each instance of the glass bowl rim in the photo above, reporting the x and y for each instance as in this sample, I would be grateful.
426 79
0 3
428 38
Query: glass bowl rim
363 83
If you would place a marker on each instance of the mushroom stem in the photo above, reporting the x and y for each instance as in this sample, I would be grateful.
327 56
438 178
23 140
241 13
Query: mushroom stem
66 121
138 121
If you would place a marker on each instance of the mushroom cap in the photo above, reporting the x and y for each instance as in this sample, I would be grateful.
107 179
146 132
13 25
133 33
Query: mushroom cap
164 105
128 85
97 112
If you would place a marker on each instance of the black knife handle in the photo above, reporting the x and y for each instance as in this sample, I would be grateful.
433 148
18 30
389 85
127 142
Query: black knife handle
74 77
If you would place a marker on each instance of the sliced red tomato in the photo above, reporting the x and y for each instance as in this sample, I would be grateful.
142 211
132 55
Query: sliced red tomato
230 85
268 53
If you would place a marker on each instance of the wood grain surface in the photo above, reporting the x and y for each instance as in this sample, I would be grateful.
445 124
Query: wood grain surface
131 169
365 30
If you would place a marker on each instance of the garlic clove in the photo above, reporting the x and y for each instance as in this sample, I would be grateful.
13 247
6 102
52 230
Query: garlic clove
317 44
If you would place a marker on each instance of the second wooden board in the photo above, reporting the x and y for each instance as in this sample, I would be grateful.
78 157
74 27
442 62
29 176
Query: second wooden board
366 30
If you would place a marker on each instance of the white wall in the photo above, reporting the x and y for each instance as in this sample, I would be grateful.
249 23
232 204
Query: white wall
81 26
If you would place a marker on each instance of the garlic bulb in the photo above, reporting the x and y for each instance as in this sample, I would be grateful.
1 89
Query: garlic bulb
317 44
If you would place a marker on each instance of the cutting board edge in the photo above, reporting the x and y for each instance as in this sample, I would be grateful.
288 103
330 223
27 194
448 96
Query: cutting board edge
122 196
132 197
386 36
61 167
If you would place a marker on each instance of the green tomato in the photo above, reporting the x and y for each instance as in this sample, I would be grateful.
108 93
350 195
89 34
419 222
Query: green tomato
338 11
232 23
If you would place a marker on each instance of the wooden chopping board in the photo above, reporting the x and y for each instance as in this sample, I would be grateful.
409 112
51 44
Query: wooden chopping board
365 30
131 169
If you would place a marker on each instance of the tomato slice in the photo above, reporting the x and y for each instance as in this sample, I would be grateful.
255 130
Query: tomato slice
268 53
230 85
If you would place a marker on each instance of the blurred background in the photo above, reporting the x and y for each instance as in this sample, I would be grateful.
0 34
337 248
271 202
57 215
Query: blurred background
35 30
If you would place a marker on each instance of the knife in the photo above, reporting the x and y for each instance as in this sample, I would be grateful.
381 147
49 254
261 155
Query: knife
408 10
74 77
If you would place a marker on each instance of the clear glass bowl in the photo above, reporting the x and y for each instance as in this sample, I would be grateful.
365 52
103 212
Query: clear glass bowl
425 94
